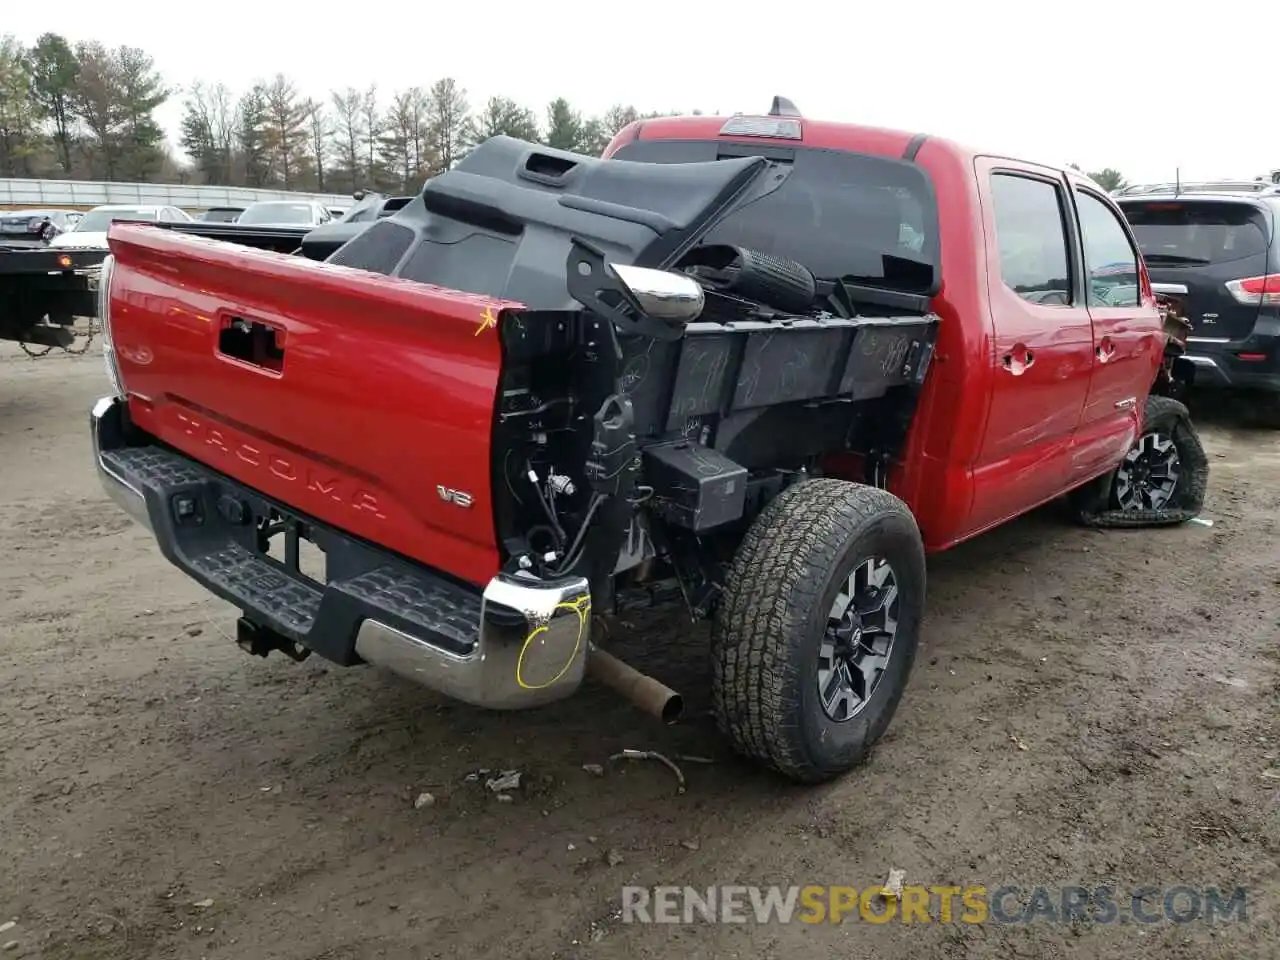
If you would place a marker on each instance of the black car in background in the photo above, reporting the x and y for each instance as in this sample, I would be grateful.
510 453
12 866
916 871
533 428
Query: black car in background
33 227
221 214
1218 256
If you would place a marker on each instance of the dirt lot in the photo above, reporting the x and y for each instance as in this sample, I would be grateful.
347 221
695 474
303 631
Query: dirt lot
149 767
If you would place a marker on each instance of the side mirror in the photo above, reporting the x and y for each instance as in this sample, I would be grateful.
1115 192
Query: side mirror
662 294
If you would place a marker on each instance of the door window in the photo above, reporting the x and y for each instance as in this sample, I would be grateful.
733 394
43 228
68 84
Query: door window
1032 239
1108 255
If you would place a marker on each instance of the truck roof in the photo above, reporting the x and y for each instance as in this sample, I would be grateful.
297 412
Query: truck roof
823 134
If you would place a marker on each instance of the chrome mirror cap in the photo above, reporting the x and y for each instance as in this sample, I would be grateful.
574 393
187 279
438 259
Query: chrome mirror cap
662 294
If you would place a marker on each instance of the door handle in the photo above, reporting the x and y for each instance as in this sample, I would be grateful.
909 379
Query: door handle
1106 349
1018 360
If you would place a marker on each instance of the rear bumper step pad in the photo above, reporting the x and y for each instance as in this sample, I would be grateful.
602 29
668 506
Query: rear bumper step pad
519 642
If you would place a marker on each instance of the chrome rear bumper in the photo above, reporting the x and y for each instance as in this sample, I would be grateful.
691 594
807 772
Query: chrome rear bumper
520 642
537 658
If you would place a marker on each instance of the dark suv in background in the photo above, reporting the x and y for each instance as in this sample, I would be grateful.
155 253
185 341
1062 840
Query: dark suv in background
1217 253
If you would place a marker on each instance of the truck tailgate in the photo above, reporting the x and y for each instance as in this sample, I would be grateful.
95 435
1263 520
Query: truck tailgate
363 401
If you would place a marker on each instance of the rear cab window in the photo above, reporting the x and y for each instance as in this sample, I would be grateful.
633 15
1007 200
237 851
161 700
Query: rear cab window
842 214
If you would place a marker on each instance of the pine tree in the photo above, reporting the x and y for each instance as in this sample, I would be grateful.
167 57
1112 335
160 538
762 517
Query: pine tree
251 136
564 125
18 115
53 74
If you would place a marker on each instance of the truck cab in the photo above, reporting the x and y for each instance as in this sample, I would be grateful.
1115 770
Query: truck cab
1050 335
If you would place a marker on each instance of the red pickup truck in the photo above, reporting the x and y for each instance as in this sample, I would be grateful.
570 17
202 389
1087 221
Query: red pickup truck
756 366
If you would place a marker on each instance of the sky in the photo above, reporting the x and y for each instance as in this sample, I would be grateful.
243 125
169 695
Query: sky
1085 82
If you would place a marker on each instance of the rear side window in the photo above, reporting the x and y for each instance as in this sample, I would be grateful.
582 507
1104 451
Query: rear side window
1188 232
1108 255
1032 239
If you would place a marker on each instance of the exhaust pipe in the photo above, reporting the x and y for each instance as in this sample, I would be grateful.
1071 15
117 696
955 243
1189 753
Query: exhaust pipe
652 696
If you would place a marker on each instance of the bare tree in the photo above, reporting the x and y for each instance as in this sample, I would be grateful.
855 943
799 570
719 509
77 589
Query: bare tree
448 122
502 116
423 153
97 103
617 117
348 134
208 131
372 120
224 117
286 131
395 144
320 130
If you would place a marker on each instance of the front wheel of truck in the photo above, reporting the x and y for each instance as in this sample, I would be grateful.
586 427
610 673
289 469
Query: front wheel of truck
818 627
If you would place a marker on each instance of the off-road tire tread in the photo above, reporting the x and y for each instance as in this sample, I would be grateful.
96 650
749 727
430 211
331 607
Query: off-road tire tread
1091 502
777 576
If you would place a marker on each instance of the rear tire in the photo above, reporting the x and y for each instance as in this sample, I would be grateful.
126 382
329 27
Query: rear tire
793 689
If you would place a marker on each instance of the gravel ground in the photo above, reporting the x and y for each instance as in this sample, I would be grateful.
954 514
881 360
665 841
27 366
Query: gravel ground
1088 708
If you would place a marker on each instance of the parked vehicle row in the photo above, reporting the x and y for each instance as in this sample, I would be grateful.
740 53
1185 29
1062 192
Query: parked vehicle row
43 292
91 232
67 228
35 227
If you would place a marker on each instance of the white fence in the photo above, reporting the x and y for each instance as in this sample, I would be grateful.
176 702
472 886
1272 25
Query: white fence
15 194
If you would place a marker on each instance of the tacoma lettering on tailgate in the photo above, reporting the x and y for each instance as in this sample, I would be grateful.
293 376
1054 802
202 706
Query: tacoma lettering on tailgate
325 483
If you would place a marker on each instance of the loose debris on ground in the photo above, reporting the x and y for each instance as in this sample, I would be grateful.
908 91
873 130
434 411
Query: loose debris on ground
135 740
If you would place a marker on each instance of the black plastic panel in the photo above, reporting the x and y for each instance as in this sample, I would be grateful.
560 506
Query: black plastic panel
879 354
722 369
378 248
502 222
789 365
694 486
702 376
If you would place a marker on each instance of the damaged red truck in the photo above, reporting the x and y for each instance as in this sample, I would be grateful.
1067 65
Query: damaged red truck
756 366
